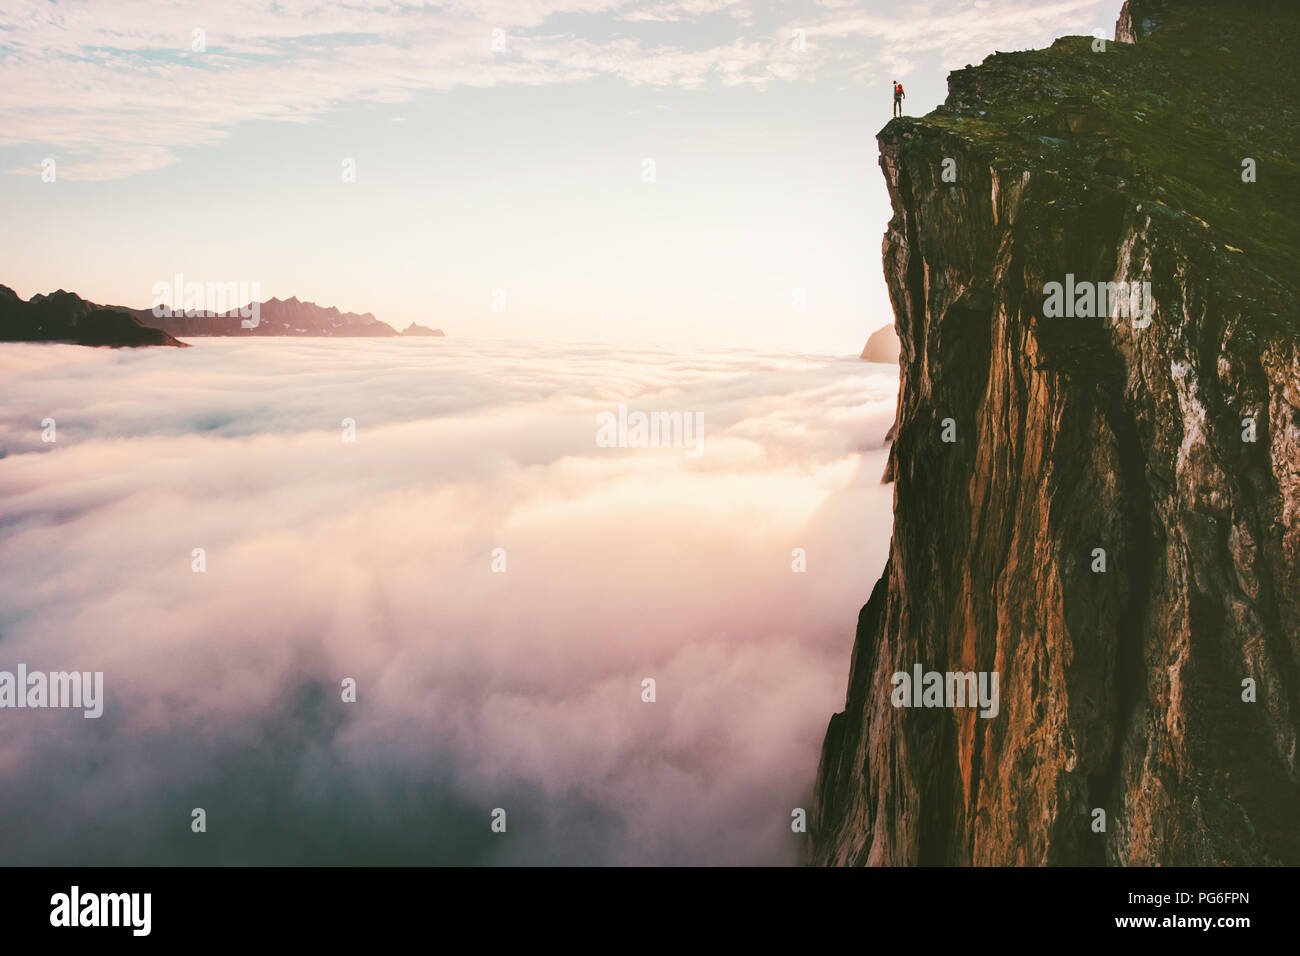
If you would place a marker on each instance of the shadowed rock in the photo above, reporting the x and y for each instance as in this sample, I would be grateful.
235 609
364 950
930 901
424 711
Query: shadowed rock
66 317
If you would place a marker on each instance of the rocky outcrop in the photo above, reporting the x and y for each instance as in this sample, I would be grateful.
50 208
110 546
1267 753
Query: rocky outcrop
1102 507
416 329
274 317
66 317
882 346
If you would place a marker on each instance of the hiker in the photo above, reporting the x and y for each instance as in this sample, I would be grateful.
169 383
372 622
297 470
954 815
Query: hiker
899 96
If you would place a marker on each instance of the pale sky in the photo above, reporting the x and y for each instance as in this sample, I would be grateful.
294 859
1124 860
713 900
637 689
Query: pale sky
518 165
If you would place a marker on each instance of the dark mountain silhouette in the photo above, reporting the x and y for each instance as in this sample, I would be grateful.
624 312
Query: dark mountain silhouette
275 317
66 317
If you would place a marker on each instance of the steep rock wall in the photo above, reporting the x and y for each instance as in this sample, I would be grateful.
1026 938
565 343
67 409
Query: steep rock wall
1120 690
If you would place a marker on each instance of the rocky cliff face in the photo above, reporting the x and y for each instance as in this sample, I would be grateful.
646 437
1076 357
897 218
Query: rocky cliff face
1102 509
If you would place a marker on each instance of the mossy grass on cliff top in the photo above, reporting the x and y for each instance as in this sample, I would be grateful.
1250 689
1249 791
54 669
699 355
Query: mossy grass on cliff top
1170 119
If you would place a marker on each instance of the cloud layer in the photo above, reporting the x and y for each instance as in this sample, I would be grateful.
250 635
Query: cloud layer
372 560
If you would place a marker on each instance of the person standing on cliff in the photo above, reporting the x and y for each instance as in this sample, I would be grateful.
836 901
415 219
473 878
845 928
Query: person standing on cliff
899 96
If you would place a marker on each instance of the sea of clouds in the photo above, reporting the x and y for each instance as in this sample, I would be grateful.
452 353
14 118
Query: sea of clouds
372 560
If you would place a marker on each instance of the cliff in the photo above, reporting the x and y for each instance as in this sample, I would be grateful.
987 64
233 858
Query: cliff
1113 527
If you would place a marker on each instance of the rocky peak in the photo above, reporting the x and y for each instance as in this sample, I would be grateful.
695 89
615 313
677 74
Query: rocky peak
416 329
882 346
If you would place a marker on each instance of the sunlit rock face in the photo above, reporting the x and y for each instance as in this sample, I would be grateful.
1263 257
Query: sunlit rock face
1114 525
882 346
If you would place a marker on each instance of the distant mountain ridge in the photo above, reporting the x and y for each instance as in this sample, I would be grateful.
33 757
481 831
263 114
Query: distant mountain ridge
289 316
416 329
65 316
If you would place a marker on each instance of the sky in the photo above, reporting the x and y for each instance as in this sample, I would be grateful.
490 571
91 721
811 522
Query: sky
479 685
602 170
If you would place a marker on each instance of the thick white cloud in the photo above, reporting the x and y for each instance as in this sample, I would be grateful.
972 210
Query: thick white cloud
372 560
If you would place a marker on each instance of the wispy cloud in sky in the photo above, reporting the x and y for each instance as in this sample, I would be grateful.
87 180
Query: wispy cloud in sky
119 88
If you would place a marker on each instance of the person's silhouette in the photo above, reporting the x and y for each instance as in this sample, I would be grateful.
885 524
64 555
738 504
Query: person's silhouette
898 98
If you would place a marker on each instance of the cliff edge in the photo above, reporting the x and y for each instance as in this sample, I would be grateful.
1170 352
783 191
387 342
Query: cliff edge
1097 501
